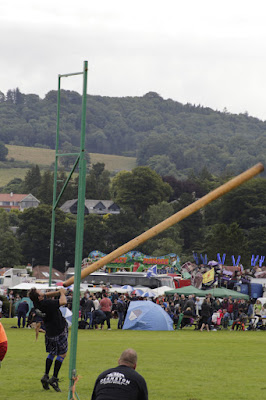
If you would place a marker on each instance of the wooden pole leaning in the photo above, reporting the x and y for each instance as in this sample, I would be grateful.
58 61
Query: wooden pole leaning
179 216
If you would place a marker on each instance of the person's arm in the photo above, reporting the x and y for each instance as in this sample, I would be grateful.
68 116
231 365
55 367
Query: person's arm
62 298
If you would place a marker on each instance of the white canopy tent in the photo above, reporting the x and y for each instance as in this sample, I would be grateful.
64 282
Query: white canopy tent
160 291
29 285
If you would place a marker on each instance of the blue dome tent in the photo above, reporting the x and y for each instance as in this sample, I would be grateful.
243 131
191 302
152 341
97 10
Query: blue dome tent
147 316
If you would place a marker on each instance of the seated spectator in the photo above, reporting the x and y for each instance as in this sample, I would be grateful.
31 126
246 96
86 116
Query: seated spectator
240 321
226 318
217 318
176 315
257 313
187 317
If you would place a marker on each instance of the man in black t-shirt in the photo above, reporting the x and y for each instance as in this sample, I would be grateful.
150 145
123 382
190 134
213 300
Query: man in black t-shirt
122 382
56 335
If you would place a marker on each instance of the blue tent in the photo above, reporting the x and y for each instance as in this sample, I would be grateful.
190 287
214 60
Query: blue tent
147 316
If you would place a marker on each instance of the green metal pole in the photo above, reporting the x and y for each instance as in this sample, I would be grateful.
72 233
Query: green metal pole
55 183
79 239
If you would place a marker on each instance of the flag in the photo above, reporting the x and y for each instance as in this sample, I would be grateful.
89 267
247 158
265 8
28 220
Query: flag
152 271
208 276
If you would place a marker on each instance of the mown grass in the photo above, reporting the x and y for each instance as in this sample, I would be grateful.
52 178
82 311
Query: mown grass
187 364
46 157
7 174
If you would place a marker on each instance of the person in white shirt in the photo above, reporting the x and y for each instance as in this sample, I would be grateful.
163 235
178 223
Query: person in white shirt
96 303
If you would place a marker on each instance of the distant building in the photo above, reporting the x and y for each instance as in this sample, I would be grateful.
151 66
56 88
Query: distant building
100 207
13 276
41 272
12 201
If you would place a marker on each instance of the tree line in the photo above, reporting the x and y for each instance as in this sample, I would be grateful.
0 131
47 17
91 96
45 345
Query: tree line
171 138
233 224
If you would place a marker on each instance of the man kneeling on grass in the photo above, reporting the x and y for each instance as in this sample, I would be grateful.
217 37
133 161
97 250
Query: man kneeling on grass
56 335
121 382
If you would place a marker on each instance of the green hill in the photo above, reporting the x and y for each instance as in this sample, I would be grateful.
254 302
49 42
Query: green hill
170 137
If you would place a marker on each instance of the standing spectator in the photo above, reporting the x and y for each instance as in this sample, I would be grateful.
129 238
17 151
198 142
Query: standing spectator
243 305
250 310
96 303
23 308
230 309
121 308
106 307
176 299
114 309
134 297
198 305
205 314
89 310
217 305
182 301
83 304
190 304
114 296
235 309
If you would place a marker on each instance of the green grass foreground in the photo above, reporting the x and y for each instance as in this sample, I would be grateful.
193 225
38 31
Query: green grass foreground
187 364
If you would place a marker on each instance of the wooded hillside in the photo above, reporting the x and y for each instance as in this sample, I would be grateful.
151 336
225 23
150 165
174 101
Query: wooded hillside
170 137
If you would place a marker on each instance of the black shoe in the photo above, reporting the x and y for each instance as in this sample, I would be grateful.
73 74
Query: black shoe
44 381
54 383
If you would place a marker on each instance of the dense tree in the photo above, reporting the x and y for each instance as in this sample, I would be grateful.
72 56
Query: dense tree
45 190
191 137
10 250
245 205
168 241
3 151
35 231
191 228
139 189
32 180
230 240
98 183
121 228
34 234
162 165
16 185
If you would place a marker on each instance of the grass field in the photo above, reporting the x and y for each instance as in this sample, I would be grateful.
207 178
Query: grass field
183 365
45 157
7 174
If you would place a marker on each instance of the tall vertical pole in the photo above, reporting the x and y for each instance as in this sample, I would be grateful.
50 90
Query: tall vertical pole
79 238
55 183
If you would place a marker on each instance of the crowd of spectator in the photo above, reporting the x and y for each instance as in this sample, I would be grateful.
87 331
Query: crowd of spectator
97 310
208 313
214 313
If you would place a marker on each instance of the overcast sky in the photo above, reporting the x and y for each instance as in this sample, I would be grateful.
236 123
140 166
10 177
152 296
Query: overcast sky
203 52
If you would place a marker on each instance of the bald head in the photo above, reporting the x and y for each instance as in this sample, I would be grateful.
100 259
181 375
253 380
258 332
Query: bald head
129 358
